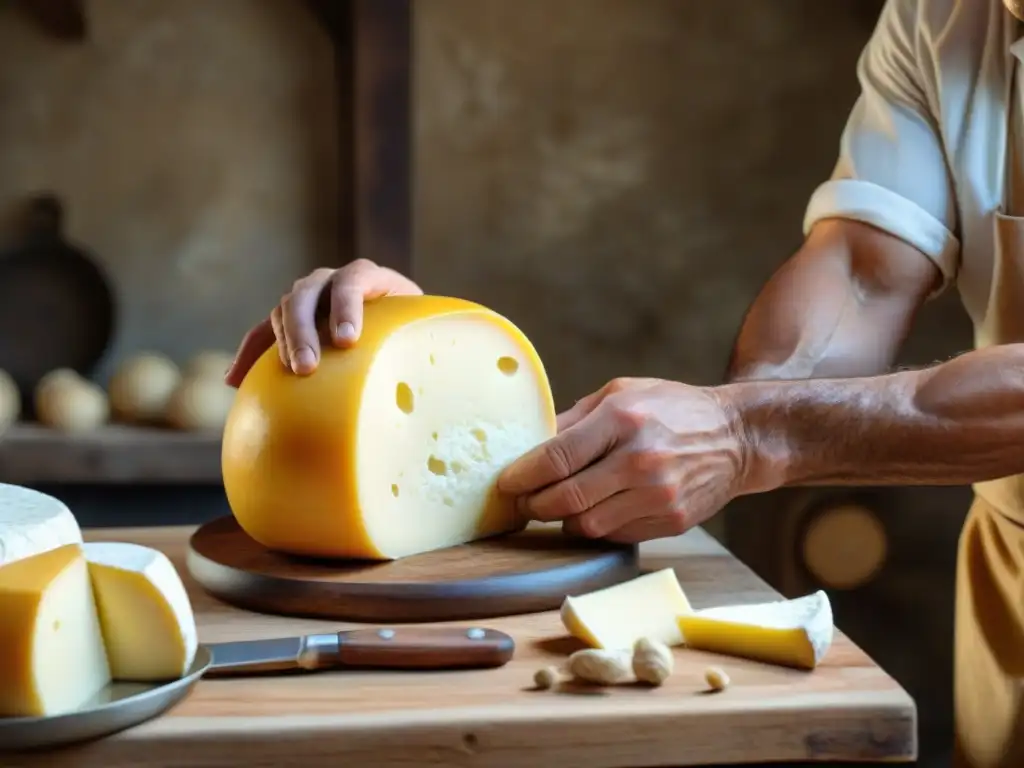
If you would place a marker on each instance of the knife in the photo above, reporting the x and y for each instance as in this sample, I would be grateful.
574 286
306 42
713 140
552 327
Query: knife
425 648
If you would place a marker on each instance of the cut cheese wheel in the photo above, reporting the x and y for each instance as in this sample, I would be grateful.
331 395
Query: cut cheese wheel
52 656
393 446
32 522
616 617
145 613
791 633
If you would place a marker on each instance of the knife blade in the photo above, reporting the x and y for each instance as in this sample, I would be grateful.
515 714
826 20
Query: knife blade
398 648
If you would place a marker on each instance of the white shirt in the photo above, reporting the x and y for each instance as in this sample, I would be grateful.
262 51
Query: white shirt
922 154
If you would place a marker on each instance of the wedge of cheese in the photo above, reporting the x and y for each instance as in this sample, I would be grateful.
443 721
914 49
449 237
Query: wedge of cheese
52 656
32 522
615 617
393 446
145 613
791 633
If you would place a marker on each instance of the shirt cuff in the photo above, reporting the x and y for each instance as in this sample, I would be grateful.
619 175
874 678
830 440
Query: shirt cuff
872 204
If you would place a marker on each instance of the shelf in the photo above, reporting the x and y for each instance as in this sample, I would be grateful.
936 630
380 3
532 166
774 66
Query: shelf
30 453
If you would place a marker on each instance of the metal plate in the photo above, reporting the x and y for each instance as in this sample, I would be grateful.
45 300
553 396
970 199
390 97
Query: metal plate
118 706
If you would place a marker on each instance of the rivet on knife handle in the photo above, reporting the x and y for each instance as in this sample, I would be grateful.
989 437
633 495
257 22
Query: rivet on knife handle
413 647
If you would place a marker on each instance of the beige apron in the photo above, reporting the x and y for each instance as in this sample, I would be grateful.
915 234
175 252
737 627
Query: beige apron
989 669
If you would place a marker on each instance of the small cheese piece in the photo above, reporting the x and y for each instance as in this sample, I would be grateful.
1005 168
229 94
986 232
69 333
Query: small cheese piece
32 522
145 613
616 617
391 447
52 656
791 633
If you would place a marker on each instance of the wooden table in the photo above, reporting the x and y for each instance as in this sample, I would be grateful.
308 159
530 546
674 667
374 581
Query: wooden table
846 710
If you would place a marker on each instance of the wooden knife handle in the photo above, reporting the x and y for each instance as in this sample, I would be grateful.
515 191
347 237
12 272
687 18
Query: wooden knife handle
416 647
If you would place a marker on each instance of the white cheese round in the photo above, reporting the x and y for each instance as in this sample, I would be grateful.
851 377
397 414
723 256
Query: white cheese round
32 523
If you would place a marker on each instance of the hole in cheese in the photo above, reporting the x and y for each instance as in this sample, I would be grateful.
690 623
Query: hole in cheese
508 365
394 490
404 398
437 466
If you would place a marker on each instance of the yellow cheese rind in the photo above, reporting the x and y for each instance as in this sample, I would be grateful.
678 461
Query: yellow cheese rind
145 613
792 633
393 446
52 656
615 617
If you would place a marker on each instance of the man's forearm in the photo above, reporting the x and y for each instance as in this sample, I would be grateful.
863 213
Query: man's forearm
955 423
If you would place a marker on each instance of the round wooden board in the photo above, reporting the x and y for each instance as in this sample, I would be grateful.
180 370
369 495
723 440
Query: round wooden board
525 572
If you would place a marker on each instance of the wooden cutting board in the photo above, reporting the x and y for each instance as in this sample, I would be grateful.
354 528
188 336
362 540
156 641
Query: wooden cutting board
526 572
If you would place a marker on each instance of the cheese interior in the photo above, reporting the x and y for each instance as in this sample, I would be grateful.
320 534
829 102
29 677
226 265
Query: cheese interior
145 613
795 633
52 656
448 403
616 617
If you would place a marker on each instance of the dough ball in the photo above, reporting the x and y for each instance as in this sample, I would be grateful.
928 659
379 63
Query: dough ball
141 387
70 403
10 401
200 403
209 363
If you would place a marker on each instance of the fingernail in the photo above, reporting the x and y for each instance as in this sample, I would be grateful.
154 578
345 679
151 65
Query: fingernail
345 332
303 360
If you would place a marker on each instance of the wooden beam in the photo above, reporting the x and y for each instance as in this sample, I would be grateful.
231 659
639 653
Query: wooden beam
383 131
374 60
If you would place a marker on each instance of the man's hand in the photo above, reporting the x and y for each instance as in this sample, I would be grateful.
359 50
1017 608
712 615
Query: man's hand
639 459
340 293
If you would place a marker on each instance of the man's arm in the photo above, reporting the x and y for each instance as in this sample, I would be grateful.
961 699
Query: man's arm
841 306
954 423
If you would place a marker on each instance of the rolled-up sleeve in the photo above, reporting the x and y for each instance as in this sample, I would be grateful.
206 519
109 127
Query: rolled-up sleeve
892 171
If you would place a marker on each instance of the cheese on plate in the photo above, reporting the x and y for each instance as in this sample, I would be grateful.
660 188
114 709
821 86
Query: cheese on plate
32 522
615 617
52 656
792 633
145 612
393 446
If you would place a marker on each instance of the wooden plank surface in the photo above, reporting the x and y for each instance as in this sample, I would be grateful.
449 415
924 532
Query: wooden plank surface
114 453
848 709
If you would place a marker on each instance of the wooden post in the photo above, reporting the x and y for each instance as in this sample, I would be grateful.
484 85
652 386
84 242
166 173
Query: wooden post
373 48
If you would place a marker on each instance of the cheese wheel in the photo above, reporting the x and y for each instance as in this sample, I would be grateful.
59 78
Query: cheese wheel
200 403
209 363
10 401
52 656
70 403
32 523
393 446
142 386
